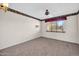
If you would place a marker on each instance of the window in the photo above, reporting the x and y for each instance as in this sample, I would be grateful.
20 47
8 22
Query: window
55 26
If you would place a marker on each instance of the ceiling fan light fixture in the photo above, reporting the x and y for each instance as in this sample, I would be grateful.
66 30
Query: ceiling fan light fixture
47 12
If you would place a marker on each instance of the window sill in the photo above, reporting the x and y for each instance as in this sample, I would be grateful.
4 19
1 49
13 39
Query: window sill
57 31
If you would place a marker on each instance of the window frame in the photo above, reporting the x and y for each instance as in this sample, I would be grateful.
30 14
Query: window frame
62 30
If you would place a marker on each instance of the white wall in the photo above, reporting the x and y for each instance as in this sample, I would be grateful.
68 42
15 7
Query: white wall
71 30
15 29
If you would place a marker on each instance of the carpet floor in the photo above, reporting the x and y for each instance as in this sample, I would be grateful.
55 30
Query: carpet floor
42 47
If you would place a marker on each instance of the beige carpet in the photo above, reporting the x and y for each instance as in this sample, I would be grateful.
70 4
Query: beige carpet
42 47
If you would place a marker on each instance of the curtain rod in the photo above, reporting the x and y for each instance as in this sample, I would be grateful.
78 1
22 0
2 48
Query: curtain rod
18 12
76 13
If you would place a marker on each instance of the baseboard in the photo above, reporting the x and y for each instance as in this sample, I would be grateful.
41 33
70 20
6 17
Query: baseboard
60 40
28 39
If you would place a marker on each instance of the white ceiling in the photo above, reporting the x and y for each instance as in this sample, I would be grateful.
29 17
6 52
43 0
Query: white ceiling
38 9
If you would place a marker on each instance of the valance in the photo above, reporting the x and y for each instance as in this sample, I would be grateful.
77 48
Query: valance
56 19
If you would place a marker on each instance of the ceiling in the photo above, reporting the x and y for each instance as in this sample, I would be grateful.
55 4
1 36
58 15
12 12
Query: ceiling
38 9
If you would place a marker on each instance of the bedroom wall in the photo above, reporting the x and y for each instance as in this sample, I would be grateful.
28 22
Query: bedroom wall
71 31
15 29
